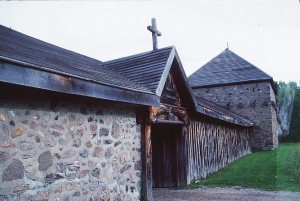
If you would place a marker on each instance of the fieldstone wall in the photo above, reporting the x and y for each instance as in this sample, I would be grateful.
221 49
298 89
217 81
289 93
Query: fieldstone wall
255 101
52 150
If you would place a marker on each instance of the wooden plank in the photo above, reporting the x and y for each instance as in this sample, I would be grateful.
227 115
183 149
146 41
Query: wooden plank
174 159
167 163
157 159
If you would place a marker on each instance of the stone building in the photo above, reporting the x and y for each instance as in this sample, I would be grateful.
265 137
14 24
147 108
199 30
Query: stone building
76 128
235 84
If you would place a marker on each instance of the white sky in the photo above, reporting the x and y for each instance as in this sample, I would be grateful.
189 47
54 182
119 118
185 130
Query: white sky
265 33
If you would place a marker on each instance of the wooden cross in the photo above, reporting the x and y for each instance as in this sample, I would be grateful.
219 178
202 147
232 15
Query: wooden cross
155 33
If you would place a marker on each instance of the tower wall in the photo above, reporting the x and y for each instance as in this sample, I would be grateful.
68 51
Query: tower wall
255 101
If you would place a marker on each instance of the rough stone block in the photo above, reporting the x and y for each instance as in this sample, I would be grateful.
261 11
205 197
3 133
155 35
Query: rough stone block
115 130
25 146
4 156
17 132
45 161
14 171
98 152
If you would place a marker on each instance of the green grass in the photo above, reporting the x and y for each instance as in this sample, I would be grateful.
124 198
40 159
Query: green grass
268 170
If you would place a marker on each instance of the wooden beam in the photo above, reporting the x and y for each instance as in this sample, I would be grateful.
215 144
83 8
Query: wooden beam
146 159
20 75
182 157
168 114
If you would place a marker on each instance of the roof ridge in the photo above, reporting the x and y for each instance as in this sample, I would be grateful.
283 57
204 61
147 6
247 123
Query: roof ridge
138 54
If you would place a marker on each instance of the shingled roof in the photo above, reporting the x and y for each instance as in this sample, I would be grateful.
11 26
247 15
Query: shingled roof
145 68
20 48
227 68
53 68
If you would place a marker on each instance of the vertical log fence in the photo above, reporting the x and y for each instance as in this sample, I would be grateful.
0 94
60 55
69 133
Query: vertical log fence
211 147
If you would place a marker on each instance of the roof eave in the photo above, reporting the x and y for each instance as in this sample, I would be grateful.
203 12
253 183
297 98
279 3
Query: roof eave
225 118
29 65
16 74
234 83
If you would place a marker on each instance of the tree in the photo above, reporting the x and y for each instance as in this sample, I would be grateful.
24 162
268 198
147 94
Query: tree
294 134
285 100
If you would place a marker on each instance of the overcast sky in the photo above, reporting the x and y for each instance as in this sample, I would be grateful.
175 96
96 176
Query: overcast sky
265 33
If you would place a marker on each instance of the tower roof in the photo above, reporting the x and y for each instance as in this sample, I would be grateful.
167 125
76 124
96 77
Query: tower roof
227 68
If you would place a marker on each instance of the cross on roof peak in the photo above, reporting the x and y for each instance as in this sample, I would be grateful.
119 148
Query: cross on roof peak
155 33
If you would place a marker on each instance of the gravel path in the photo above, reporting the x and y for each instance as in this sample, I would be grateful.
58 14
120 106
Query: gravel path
224 194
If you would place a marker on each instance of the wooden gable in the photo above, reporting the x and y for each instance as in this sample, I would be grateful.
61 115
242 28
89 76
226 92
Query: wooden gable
170 109
170 93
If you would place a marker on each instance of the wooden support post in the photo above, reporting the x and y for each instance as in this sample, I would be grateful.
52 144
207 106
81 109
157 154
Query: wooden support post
146 159
182 157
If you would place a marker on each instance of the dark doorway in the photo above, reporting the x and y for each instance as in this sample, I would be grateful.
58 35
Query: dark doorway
168 155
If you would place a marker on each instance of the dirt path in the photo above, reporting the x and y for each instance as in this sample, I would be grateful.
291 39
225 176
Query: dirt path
223 194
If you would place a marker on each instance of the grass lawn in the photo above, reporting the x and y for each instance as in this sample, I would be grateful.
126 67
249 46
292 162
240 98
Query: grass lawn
266 170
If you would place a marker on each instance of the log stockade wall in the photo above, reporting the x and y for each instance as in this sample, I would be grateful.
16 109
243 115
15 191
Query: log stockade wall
211 147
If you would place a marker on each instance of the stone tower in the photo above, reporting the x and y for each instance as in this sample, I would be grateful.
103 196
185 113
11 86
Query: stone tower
239 86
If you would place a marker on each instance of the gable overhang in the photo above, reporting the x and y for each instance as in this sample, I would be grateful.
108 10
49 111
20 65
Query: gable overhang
174 57
26 75
165 73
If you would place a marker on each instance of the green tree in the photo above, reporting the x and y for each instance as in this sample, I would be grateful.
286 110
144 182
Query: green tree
294 132
285 100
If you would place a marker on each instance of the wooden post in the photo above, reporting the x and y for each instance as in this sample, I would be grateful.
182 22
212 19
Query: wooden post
182 157
155 33
146 159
